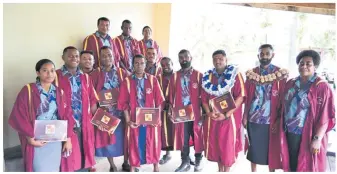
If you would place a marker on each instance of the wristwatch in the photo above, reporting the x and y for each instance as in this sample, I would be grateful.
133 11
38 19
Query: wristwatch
315 137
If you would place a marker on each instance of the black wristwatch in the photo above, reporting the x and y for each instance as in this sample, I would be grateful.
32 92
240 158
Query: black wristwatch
315 137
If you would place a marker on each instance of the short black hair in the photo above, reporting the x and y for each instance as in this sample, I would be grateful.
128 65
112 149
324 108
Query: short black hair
316 58
184 51
104 47
151 48
69 48
137 56
146 28
41 62
102 19
87 52
266 46
126 21
166 58
222 52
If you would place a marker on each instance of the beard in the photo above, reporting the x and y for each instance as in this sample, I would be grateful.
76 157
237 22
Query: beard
185 64
264 62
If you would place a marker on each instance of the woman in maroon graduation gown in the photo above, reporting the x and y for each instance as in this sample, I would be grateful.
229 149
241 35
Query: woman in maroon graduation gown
308 114
41 101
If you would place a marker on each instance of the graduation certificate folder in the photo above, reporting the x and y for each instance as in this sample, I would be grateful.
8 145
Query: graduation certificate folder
51 130
108 97
223 103
106 120
183 114
147 116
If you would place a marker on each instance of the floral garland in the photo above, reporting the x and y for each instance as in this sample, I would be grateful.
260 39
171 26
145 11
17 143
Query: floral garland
218 90
269 78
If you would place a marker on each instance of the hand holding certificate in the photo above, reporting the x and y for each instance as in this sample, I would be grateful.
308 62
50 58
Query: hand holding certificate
105 121
108 97
182 114
50 130
147 116
223 103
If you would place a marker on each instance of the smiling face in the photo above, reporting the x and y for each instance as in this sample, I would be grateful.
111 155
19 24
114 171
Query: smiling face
71 58
87 61
219 61
306 67
166 64
46 73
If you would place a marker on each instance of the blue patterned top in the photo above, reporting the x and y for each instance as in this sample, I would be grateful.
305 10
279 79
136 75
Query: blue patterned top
140 90
48 108
148 43
76 96
110 82
297 106
260 109
185 90
105 40
128 50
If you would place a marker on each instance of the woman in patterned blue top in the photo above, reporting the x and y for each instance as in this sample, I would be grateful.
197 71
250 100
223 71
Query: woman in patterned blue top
308 114
41 101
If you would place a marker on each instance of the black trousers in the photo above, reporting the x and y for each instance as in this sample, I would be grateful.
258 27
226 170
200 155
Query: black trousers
188 132
294 142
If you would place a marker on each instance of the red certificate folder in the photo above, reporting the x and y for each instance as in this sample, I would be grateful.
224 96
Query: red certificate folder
223 103
106 120
147 116
51 130
182 114
108 97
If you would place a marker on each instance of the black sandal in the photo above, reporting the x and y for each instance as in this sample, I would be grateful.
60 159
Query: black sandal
165 159
126 167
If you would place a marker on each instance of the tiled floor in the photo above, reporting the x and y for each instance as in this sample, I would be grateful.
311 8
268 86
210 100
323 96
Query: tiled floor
242 165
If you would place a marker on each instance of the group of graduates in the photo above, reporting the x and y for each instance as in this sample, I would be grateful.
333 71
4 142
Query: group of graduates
287 120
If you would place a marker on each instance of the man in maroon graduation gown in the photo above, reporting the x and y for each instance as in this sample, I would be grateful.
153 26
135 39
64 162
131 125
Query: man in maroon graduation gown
185 89
166 128
141 90
152 67
82 97
264 149
127 47
98 39
220 128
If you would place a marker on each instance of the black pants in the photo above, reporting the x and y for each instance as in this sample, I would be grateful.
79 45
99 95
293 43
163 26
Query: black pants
294 142
188 132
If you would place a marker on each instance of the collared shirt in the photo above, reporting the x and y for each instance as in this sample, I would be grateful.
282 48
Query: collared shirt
76 96
185 90
148 43
140 89
48 108
128 48
106 40
111 78
297 106
111 81
152 70
260 109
